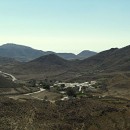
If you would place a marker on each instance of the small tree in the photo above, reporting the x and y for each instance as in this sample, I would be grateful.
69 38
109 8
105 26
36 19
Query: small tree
32 83
46 86
41 84
45 97
71 92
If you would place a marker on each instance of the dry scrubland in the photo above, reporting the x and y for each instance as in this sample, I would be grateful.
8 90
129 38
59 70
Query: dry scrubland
78 114
110 112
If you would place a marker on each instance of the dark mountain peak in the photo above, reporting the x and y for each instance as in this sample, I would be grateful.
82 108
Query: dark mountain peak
51 59
86 53
52 56
113 49
68 56
19 52
15 46
108 52
25 53
66 53
127 48
113 59
8 44
12 45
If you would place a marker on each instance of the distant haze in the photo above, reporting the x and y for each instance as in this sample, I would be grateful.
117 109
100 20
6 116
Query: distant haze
66 25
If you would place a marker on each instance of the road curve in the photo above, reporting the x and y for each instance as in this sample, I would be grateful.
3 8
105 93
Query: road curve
41 90
10 75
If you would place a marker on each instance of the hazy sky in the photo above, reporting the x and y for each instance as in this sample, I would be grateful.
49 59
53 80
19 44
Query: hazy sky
65 25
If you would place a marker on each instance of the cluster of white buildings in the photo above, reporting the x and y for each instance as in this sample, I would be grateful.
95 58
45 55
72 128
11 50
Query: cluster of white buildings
81 87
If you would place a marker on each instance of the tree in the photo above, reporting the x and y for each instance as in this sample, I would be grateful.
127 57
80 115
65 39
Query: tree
71 92
45 97
46 86
32 83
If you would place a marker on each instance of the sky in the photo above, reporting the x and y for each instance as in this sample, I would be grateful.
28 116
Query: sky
65 25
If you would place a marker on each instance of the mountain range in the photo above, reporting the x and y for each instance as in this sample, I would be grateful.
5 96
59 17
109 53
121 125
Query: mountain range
25 53
112 60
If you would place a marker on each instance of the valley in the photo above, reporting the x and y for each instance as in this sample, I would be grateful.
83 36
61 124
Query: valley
64 65
50 92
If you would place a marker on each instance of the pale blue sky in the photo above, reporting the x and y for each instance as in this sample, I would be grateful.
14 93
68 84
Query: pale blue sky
65 25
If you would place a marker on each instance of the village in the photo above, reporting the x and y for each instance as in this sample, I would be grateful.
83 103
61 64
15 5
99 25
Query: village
69 90
79 87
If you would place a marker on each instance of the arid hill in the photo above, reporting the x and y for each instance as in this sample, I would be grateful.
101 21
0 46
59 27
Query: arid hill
110 60
6 83
6 60
113 60
48 65
75 114
85 54
19 52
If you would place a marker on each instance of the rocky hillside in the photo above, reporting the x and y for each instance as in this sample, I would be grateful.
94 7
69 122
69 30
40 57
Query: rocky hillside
110 60
6 83
113 60
48 65
6 60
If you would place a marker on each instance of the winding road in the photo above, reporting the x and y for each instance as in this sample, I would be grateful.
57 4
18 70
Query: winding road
35 95
9 75
28 94
41 90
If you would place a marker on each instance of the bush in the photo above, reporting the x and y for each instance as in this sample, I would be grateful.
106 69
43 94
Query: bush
46 86
71 92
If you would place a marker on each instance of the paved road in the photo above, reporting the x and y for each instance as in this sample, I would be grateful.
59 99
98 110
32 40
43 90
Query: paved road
28 94
9 75
41 90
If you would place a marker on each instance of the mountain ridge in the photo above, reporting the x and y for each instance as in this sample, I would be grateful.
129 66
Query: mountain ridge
24 53
112 60
86 53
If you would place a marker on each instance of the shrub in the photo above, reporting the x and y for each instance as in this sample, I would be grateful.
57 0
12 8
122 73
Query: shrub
71 92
